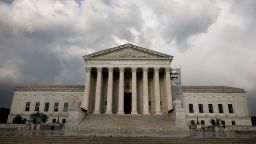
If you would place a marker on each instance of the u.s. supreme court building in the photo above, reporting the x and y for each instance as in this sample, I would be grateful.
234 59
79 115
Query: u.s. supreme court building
134 88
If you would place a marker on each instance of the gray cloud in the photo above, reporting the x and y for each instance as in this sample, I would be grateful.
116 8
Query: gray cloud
42 42
8 1
179 20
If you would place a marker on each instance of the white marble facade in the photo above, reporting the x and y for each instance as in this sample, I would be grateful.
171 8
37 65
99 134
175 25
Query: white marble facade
216 102
131 80
60 99
127 80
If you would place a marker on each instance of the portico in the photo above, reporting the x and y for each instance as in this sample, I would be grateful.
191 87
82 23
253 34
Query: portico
127 80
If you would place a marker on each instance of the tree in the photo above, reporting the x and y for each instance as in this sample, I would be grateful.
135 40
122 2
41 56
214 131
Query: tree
212 121
19 120
38 118
4 112
218 122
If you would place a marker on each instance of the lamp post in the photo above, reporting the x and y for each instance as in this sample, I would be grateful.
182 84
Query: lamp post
58 119
197 122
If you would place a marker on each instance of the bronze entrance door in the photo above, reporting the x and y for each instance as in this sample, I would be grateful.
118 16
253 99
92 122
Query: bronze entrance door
127 103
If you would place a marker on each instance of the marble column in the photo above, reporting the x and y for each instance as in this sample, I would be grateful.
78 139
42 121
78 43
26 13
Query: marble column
168 89
157 91
121 91
85 101
110 91
134 91
98 91
145 91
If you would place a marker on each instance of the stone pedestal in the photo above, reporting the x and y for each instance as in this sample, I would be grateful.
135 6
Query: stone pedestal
180 118
74 118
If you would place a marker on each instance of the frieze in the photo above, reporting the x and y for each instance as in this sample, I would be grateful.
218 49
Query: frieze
117 63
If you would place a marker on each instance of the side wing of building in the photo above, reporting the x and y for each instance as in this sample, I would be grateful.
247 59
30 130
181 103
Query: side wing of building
52 100
203 103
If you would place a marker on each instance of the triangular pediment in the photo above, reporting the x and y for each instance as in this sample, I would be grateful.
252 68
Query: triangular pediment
128 51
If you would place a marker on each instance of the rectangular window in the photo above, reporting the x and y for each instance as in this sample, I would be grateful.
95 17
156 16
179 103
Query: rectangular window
210 107
202 122
230 108
223 122
233 122
46 107
201 108
27 106
220 108
56 106
53 120
37 106
192 122
191 109
63 120
65 109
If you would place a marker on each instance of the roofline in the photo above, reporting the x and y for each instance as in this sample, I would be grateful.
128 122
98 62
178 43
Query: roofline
86 57
212 89
80 88
60 88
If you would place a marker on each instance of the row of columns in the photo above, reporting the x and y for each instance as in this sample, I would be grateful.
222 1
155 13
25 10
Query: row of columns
85 102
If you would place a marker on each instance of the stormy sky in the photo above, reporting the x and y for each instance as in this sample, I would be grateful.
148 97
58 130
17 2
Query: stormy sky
43 41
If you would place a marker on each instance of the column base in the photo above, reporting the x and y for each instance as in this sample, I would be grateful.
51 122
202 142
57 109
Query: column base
96 112
120 112
108 112
158 113
146 113
134 113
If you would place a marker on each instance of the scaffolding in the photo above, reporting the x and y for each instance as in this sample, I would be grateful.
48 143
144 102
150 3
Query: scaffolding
177 96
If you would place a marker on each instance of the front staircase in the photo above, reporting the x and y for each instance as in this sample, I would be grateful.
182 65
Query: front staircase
144 125
120 140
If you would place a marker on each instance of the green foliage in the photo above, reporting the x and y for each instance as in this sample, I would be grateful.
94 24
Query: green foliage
38 118
217 122
212 121
19 120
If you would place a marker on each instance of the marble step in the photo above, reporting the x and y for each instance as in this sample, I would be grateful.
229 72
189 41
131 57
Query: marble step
135 140
127 122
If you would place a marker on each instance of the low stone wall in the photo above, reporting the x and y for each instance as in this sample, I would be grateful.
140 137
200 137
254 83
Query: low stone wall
15 126
242 128
57 126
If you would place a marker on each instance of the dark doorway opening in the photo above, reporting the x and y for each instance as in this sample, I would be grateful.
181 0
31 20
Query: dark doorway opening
127 103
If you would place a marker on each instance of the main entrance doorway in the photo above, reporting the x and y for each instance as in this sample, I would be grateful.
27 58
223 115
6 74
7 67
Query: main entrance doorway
127 103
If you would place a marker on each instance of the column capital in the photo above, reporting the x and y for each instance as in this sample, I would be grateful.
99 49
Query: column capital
145 69
99 69
88 69
121 69
110 69
156 68
134 69
167 69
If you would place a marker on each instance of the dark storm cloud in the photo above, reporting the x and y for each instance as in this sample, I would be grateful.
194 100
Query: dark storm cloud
42 42
37 48
6 91
7 1
179 20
